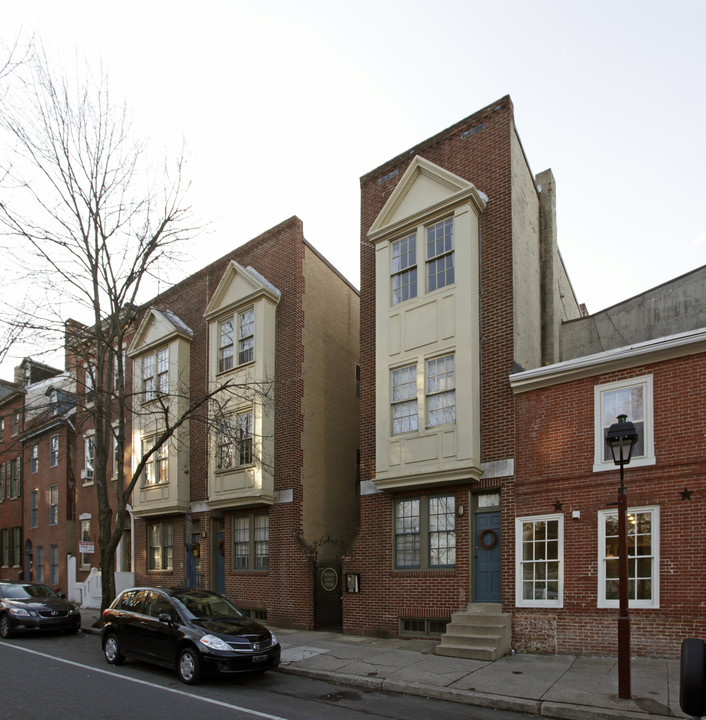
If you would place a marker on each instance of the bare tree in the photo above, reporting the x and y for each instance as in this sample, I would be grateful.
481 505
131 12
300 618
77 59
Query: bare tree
88 228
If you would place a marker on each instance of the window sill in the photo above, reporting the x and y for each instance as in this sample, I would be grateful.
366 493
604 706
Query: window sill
634 463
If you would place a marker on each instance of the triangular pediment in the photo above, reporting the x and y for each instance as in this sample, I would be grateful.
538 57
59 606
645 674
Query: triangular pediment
424 189
157 327
238 286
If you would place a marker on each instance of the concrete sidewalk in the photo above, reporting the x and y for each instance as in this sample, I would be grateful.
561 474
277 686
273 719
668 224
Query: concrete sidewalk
559 686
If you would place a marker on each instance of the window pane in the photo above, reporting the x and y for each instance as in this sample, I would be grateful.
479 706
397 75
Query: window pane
404 277
407 538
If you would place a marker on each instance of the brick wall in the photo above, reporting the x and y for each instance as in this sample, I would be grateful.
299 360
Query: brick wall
555 464
479 150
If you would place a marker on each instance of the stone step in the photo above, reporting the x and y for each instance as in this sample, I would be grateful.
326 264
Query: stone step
483 632
469 652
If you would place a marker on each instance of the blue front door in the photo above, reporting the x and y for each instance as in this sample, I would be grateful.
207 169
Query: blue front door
487 557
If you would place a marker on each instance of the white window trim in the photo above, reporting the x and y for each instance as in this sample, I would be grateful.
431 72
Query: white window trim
547 603
654 602
600 465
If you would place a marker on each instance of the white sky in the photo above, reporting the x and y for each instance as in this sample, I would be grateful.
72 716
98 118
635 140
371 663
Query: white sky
284 104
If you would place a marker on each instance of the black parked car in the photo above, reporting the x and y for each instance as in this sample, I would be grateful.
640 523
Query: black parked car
193 631
32 607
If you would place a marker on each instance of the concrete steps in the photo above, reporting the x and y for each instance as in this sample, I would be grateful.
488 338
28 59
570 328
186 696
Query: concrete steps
483 632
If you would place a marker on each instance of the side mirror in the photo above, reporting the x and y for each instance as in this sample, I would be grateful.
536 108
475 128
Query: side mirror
166 618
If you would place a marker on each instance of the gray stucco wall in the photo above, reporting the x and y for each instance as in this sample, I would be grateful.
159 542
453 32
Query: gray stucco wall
669 309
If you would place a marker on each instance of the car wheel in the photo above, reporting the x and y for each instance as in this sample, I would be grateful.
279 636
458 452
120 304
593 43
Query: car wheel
5 627
692 690
111 650
189 666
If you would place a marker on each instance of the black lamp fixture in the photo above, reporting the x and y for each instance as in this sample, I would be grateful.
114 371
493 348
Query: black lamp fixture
622 438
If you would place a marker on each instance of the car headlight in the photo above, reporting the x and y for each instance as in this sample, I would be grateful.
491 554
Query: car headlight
214 643
274 638
21 612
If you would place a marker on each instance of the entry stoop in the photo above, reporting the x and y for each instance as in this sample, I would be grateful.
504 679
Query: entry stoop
483 632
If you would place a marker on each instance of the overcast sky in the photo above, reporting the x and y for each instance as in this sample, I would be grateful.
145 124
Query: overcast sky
284 104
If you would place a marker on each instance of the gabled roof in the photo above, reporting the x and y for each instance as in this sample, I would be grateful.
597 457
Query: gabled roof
238 286
157 327
424 189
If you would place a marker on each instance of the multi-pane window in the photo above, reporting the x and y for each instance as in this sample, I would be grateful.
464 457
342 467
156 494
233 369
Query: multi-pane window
14 480
15 423
245 324
643 557
157 467
404 399
539 556
54 504
160 550
246 336
53 451
88 457
441 393
404 269
39 563
3 482
53 564
632 398
34 459
440 254
86 537
155 374
225 345
234 441
425 532
33 505
251 540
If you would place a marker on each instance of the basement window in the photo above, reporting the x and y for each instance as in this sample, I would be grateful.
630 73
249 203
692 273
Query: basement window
423 627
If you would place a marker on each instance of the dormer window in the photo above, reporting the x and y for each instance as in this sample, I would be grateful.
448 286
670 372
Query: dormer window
245 323
155 374
440 254
404 269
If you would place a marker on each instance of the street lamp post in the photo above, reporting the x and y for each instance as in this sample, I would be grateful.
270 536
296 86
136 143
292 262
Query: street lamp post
621 438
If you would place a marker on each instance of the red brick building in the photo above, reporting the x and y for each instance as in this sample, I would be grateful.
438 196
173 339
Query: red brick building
253 493
471 468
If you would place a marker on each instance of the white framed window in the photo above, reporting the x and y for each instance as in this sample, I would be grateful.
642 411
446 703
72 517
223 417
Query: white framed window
34 459
86 537
39 563
251 542
53 564
539 561
404 269
33 508
88 458
157 467
440 254
225 345
404 399
643 557
54 504
155 374
425 532
160 546
244 324
633 398
441 390
234 442
246 336
53 451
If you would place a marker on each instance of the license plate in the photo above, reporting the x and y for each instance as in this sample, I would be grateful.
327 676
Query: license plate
260 658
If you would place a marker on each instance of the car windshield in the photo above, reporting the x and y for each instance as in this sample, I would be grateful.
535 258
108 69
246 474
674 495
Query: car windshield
203 605
25 591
